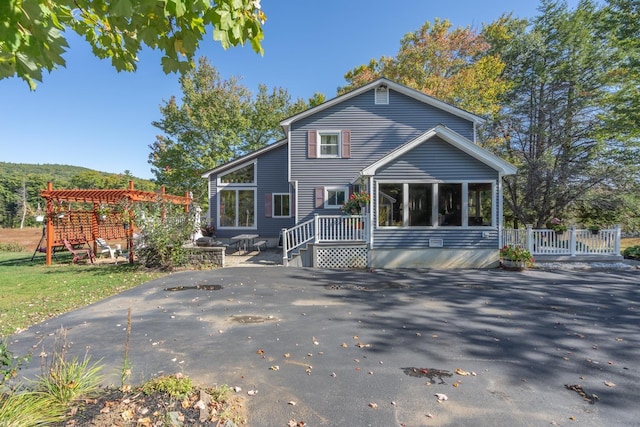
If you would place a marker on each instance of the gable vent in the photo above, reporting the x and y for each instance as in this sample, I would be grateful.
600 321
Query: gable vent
382 95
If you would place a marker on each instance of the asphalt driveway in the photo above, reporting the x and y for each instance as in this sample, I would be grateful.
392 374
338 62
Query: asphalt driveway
356 348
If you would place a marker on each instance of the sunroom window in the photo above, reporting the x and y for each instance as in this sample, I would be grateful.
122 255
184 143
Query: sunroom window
435 204
480 204
450 204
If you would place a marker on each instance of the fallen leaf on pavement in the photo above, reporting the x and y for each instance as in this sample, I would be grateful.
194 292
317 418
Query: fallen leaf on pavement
462 372
344 345
373 405
361 345
260 351
609 384
275 368
252 392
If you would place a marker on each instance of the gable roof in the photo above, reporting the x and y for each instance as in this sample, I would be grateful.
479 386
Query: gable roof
245 158
405 90
453 138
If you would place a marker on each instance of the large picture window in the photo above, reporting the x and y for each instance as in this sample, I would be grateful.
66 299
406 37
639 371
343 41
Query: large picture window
237 208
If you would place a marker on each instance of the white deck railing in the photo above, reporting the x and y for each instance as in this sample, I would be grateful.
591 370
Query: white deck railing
323 228
573 242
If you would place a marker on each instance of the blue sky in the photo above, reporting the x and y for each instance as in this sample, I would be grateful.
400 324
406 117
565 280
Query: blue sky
89 115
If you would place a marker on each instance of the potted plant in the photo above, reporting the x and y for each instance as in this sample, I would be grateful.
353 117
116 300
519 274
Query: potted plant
102 211
355 203
594 229
515 257
558 226
208 230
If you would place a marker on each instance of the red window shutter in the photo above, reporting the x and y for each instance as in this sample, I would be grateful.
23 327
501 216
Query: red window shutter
312 144
319 197
268 207
346 144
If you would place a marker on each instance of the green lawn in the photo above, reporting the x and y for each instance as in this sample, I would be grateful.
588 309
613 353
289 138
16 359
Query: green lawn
31 292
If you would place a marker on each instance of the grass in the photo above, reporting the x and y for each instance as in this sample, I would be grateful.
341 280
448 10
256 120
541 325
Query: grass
32 292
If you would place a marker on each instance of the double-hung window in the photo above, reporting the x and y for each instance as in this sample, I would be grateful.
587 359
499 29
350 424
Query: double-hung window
329 144
281 205
334 197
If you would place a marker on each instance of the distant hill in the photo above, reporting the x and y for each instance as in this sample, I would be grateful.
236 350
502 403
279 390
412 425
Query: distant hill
15 178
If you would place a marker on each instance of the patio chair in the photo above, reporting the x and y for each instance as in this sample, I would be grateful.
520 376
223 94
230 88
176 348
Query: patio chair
103 248
79 254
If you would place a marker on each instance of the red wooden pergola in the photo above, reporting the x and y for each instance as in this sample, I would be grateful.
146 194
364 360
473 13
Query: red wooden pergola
85 226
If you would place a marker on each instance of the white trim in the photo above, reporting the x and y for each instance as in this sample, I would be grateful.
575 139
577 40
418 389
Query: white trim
452 138
273 205
335 188
286 124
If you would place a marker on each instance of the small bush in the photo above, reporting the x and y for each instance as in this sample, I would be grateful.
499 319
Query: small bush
174 385
11 247
632 252
67 381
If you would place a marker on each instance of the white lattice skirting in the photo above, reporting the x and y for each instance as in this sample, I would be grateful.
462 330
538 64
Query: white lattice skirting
342 257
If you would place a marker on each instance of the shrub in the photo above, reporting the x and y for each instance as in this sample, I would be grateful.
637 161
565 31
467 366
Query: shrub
174 385
516 253
632 252
165 229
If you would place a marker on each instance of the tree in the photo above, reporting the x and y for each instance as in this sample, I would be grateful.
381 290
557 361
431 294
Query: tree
621 22
551 123
32 31
216 121
451 64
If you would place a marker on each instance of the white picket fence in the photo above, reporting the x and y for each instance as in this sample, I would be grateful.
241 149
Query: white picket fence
573 242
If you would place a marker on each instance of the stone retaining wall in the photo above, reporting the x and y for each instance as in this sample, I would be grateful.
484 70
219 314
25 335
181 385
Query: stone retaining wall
210 256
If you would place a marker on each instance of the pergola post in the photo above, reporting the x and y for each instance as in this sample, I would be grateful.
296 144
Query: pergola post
49 226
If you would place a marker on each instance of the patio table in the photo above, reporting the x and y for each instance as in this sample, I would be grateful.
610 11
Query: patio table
244 241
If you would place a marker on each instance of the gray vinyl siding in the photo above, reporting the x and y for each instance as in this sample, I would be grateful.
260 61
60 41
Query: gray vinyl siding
452 239
436 159
271 178
375 131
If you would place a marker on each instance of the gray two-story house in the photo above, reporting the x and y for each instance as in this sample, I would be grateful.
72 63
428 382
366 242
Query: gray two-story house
435 195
